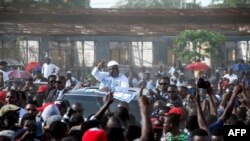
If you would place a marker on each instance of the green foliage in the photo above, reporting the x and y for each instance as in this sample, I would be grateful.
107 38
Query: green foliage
232 4
63 3
191 45
152 4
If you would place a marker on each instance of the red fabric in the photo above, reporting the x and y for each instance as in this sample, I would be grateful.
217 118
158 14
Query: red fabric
94 134
2 96
42 88
197 66
178 111
31 66
40 109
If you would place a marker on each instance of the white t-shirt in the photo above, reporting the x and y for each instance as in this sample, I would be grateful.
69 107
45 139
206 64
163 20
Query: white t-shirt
49 69
106 80
232 78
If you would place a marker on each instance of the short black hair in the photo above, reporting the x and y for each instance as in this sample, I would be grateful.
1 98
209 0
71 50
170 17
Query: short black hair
2 63
199 132
27 116
218 131
166 78
52 75
174 119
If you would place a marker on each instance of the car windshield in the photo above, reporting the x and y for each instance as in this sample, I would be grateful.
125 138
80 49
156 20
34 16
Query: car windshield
92 104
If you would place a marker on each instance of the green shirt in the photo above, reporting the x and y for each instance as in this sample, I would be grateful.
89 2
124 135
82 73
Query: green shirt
169 137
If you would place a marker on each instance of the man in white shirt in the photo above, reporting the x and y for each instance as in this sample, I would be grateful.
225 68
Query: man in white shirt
112 80
231 77
49 68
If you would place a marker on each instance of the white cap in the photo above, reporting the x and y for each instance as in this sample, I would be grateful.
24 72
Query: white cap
112 63
68 71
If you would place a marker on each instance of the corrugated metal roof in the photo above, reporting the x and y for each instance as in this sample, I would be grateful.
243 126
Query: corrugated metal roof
61 21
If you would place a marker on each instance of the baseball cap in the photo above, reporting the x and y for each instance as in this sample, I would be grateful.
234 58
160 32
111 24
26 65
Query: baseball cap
112 63
176 110
94 134
8 108
40 109
2 96
42 88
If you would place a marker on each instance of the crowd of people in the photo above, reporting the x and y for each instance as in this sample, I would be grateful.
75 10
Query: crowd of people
174 108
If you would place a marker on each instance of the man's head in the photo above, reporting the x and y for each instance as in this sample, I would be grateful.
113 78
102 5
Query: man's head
12 97
200 135
172 92
52 81
164 83
113 68
31 108
60 82
69 74
47 60
217 134
171 122
3 65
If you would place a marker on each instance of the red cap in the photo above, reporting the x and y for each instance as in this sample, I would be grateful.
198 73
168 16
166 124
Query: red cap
2 96
40 109
176 110
94 134
42 88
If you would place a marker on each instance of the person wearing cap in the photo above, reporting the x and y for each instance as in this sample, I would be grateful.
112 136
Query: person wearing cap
9 116
112 80
71 81
40 95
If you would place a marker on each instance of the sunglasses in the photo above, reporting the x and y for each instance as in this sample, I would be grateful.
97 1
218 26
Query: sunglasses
52 81
58 82
163 83
31 109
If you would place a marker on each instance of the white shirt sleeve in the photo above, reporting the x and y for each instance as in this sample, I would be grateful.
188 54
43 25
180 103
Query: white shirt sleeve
98 74
56 68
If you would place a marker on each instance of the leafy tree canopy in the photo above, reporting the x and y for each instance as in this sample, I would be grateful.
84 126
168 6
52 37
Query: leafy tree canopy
191 45
231 4
155 4
63 3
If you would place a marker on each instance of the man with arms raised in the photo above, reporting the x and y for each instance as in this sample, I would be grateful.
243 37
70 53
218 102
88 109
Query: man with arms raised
112 80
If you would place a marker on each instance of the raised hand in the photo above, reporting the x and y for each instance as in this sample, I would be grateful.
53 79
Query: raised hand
101 64
109 99
142 100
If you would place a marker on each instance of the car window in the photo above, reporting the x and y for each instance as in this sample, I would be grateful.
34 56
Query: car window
92 104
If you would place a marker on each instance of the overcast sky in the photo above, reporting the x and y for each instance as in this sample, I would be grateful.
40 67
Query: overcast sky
110 3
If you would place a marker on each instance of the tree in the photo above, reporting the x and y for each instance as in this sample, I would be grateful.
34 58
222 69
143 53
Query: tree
191 45
63 3
150 4
231 4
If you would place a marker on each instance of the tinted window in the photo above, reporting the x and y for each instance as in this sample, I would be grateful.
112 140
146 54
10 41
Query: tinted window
92 104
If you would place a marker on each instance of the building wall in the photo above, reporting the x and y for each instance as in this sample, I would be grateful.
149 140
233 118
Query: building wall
236 47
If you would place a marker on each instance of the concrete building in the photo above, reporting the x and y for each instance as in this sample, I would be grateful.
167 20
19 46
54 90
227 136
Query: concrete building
76 39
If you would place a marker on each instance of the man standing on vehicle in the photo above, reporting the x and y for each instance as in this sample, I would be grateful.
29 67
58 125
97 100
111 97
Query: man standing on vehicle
112 80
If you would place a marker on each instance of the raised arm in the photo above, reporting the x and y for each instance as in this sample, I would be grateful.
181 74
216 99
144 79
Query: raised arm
146 130
230 105
105 106
212 106
201 119
96 72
